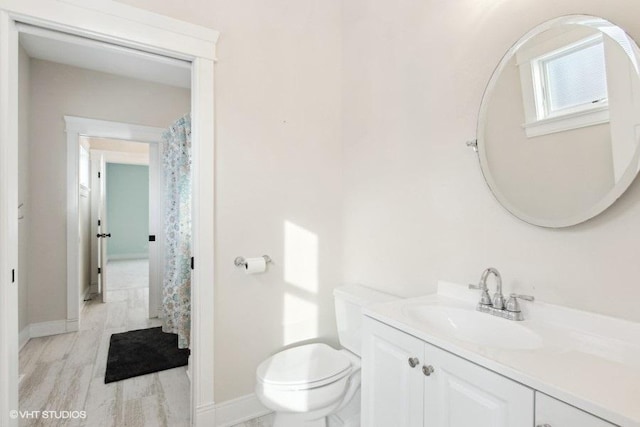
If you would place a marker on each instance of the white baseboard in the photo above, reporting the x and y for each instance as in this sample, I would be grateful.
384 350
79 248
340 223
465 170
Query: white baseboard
44 329
72 325
205 415
23 337
87 295
239 410
128 256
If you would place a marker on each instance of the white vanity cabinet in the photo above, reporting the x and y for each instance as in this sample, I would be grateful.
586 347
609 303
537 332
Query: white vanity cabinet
409 383
392 384
551 412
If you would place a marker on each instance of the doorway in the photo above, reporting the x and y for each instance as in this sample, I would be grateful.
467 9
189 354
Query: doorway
127 225
123 26
81 359
131 228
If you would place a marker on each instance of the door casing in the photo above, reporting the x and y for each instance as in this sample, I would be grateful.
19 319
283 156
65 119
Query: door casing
122 25
80 126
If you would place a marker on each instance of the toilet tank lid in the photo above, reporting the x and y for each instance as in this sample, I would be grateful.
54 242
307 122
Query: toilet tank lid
362 295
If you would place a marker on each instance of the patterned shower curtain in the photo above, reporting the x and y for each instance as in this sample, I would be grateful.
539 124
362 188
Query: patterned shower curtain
176 287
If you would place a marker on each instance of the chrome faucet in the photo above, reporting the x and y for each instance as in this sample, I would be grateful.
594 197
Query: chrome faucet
498 299
496 306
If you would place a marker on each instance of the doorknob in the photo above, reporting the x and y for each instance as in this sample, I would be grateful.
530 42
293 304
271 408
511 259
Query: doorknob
99 235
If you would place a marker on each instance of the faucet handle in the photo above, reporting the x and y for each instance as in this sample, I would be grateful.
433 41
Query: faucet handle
480 286
524 297
512 304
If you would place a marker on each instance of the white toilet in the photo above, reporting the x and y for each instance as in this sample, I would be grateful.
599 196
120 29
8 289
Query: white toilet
315 385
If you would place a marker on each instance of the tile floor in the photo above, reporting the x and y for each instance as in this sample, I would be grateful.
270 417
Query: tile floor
127 274
66 372
266 421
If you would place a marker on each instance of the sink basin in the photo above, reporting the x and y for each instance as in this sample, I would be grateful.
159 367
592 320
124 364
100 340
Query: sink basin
474 327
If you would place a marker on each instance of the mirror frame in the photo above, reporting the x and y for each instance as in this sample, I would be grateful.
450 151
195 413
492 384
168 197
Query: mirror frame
609 199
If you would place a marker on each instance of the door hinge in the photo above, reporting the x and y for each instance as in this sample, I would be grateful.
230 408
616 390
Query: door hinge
98 223
99 270
13 275
193 263
152 237
98 174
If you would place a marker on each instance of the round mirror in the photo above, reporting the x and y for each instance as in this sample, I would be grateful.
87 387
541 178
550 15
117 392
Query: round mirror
559 123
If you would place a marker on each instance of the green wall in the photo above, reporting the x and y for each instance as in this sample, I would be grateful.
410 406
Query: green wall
127 210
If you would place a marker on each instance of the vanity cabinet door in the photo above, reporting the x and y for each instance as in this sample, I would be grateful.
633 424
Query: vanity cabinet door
392 383
459 393
554 413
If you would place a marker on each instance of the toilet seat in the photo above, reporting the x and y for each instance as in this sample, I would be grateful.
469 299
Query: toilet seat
315 385
304 367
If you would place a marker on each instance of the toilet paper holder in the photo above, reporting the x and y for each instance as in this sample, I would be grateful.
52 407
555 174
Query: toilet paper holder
241 261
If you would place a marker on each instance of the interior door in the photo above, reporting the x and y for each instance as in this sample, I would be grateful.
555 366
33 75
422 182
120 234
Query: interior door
102 234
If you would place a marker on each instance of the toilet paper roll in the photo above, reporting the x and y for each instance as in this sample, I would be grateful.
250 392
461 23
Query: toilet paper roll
255 265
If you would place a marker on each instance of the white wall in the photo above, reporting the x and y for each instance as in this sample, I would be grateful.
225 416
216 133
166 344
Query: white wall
58 90
23 189
278 161
106 144
416 206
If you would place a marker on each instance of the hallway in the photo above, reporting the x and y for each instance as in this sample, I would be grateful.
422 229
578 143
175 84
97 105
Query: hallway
66 372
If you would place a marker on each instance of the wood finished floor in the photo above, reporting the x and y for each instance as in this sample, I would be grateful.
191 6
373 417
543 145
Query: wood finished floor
66 372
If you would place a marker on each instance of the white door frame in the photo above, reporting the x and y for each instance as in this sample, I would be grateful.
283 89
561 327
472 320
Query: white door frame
123 25
92 128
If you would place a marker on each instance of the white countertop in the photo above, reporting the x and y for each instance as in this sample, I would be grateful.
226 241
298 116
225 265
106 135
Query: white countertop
588 360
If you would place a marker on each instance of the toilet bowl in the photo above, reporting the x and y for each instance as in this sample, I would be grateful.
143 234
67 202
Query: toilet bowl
305 384
309 384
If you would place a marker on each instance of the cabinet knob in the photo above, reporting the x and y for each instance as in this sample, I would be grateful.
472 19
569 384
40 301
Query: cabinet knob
413 362
428 370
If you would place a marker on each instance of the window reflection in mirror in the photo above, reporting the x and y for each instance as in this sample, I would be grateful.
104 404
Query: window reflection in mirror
572 78
560 122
